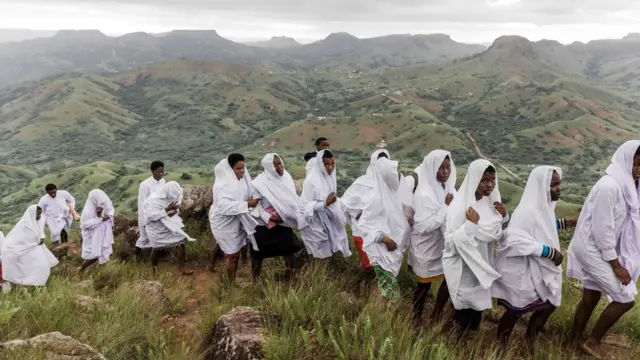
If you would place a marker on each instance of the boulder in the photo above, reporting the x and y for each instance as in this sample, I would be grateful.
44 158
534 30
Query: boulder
196 201
87 303
152 290
236 335
55 346
298 184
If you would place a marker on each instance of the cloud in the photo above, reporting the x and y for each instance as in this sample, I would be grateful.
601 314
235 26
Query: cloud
468 20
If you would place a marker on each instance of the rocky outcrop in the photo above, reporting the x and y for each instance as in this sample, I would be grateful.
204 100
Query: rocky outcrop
55 346
237 335
196 201
153 291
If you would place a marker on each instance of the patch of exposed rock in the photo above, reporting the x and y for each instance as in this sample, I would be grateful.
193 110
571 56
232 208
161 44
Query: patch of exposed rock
153 291
55 346
236 335
196 201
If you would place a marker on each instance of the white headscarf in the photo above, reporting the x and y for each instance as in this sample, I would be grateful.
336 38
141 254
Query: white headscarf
317 186
280 191
383 213
620 170
26 234
226 184
355 196
96 198
532 224
430 194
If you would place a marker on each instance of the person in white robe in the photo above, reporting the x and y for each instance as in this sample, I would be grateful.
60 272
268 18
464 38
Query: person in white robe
231 223
435 190
57 211
474 223
384 226
604 252
163 224
279 210
146 188
25 258
2 282
354 200
529 257
96 224
323 231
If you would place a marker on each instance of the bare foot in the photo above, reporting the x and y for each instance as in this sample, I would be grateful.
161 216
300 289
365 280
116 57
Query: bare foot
594 349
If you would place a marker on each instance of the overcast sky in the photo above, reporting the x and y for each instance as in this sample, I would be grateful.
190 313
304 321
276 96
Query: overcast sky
243 20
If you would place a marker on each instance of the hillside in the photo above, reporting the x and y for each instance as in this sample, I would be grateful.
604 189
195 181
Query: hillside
92 51
276 42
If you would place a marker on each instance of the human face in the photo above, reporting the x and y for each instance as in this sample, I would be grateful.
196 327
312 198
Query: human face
444 171
277 163
486 185
238 169
38 214
329 165
324 145
158 173
554 188
635 170
52 193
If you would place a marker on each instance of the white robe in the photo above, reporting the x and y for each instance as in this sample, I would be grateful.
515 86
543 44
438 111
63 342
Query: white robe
427 236
147 187
526 276
97 234
231 223
323 232
24 260
278 192
608 229
467 257
56 212
164 230
383 215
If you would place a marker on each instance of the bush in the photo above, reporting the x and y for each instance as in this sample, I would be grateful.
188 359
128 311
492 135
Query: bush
186 176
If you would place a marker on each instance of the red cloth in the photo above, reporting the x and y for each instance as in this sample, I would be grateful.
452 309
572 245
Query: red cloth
271 212
364 259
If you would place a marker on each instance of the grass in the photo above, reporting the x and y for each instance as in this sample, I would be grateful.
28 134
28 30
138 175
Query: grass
324 314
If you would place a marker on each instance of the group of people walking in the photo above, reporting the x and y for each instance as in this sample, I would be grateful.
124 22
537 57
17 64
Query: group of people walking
464 237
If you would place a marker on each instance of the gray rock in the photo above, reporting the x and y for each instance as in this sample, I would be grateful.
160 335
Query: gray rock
237 335
55 346
196 201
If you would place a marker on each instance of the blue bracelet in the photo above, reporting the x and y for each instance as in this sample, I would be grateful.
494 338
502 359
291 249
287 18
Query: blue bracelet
545 251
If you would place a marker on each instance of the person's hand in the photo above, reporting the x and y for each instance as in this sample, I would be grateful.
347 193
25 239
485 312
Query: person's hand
391 245
171 206
448 199
332 198
570 221
276 219
105 217
252 202
172 212
472 215
621 273
557 257
500 208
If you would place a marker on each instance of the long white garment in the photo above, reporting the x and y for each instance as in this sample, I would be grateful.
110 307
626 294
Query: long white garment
56 212
355 197
608 229
427 236
164 230
467 257
323 232
231 224
1 242
97 234
24 260
526 276
383 215
147 187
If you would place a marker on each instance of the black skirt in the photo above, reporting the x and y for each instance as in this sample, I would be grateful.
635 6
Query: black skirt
274 242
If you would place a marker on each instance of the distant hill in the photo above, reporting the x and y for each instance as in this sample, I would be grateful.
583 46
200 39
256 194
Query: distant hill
12 35
276 42
92 51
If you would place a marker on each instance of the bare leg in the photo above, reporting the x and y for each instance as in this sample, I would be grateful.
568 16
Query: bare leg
611 314
584 310
420 294
256 268
155 259
505 327
289 265
217 253
441 301
86 264
232 266
182 260
243 254
64 237
536 323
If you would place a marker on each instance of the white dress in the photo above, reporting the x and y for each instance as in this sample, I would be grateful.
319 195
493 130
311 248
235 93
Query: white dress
97 234
56 212
147 187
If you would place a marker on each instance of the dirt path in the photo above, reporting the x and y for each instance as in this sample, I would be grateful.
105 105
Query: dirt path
475 145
